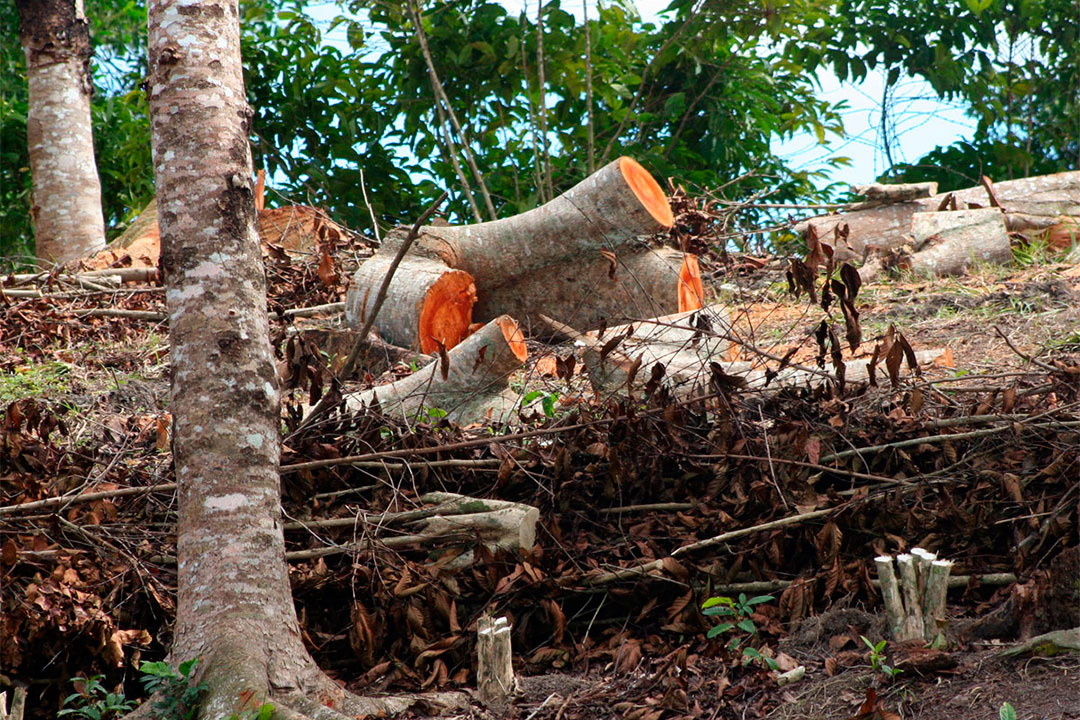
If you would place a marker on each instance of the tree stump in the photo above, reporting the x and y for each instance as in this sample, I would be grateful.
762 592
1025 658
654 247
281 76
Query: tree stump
495 670
915 602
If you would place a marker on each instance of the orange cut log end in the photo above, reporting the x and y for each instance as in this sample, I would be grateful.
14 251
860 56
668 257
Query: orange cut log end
447 311
647 190
514 339
691 291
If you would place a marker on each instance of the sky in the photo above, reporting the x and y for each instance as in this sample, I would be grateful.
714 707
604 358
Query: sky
918 120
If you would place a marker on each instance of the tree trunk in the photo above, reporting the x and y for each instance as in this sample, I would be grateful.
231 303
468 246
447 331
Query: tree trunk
605 211
234 606
66 209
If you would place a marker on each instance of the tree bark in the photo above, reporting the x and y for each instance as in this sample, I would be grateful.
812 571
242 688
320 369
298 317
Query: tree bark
234 606
66 208
639 283
1034 203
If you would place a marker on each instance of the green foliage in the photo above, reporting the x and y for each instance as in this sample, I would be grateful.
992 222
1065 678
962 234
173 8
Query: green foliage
1006 712
178 693
1013 64
94 702
547 401
737 611
33 379
878 660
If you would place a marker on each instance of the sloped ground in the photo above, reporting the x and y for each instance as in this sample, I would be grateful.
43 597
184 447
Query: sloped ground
88 586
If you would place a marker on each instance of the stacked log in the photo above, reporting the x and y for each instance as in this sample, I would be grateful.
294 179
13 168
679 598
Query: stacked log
579 258
1046 206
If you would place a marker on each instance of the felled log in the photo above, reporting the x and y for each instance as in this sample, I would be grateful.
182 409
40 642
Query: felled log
574 257
610 208
469 383
295 228
1030 205
596 290
948 243
427 303
880 194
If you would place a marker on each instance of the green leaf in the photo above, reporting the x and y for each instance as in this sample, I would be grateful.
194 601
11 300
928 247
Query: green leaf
1006 712
747 625
720 629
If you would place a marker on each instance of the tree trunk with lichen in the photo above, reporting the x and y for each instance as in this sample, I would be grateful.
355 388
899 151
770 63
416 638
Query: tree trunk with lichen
66 208
234 606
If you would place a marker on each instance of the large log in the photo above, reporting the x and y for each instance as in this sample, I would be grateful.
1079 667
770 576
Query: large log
470 384
610 208
595 290
427 303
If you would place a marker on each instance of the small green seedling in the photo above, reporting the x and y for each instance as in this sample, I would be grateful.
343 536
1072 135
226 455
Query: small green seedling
878 659
178 693
737 613
94 702
1006 712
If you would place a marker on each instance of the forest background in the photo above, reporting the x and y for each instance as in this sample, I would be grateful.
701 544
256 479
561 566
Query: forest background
701 95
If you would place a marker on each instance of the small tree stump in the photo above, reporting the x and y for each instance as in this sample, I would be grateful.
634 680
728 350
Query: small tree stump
914 595
495 670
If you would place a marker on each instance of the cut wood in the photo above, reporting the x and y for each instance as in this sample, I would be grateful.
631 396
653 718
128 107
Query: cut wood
610 208
915 595
427 304
470 383
1030 204
879 193
596 290
494 668
297 229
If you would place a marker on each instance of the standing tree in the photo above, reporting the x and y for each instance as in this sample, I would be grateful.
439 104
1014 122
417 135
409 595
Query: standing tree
234 608
66 208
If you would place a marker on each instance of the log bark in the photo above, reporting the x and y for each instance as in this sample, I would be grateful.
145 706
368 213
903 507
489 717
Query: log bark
948 243
471 384
879 193
427 304
593 290
608 209
66 208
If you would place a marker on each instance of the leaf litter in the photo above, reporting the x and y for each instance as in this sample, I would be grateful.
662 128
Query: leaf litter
981 468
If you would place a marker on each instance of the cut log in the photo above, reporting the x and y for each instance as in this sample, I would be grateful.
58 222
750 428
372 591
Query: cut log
1033 203
427 304
915 600
610 208
591 292
947 243
295 228
470 384
881 194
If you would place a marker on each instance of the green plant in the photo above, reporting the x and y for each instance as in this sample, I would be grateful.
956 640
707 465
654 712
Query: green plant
178 693
1006 712
50 378
94 702
738 617
547 404
259 712
878 659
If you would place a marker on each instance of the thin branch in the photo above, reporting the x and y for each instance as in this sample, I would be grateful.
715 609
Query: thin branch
440 95
543 101
1030 359
591 151
85 498
451 152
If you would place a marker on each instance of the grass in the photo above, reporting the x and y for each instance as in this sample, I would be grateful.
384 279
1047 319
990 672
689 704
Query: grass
50 378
